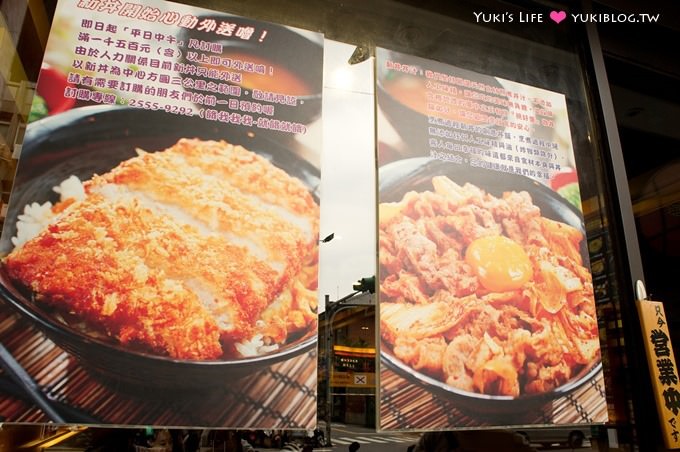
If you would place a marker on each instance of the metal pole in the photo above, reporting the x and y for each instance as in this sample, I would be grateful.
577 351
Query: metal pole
329 366
638 377
331 311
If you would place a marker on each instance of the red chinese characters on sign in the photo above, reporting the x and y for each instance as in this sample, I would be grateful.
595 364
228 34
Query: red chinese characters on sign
155 70
146 13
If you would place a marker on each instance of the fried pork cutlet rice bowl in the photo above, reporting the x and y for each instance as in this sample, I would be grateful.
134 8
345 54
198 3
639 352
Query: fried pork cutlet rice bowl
485 293
200 257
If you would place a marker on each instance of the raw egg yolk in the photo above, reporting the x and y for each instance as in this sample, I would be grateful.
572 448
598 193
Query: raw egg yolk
500 263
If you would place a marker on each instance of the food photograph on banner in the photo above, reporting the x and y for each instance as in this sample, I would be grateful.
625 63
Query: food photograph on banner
160 252
486 307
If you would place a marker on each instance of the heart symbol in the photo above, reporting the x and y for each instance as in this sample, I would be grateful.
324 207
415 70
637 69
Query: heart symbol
558 16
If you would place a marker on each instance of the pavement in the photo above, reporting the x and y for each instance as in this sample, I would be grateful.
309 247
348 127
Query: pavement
342 435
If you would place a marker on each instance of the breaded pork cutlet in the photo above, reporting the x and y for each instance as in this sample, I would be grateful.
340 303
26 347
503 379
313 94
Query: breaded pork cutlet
187 251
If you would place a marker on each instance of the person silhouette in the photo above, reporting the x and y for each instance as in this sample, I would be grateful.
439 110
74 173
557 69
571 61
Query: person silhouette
471 440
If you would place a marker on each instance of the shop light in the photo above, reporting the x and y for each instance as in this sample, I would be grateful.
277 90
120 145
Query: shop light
342 78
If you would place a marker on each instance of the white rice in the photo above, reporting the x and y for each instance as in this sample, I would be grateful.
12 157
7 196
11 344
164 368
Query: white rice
254 347
37 217
71 188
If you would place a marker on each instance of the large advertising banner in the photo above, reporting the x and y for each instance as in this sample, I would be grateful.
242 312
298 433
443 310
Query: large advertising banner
159 257
486 307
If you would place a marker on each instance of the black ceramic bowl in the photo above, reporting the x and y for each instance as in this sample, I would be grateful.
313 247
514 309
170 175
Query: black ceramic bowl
416 174
293 64
92 140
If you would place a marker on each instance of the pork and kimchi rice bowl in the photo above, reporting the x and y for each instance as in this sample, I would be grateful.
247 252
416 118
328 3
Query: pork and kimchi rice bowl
483 293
